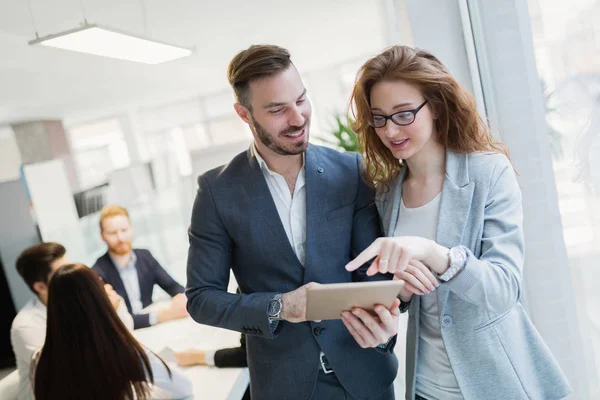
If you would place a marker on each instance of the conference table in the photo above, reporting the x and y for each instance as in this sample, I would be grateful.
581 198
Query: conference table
208 382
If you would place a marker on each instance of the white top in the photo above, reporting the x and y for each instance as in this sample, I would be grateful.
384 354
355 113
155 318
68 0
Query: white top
176 386
435 379
291 209
28 333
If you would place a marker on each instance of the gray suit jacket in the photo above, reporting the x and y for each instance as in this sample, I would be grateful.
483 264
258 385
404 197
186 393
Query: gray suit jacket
494 349
235 225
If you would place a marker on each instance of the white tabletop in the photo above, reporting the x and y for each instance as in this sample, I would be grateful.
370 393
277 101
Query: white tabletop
209 382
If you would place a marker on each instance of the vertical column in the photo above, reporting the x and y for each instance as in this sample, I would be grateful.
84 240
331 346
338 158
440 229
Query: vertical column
136 145
46 140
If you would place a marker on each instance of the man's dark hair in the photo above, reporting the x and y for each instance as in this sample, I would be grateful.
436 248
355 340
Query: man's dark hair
34 262
256 62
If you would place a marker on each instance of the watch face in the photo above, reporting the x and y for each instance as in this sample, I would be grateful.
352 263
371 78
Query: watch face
274 307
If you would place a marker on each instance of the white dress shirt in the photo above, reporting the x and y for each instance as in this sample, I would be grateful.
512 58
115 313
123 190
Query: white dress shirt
28 333
131 281
291 209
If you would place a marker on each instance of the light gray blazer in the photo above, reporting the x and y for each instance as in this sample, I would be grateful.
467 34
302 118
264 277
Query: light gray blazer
494 349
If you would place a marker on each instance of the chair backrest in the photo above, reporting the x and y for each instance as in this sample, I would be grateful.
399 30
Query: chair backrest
9 386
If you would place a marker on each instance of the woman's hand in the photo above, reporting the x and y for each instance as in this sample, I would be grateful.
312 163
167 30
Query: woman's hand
394 253
418 279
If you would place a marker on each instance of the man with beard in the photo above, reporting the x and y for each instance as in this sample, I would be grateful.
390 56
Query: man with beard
283 216
134 272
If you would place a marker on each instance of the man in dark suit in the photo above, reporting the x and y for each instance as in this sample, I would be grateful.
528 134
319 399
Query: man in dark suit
282 216
134 272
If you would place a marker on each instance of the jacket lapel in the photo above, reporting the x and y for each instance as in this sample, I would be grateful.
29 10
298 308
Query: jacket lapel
144 275
116 280
455 207
316 189
391 204
259 195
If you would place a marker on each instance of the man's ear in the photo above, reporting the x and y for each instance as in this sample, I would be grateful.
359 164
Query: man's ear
40 287
242 112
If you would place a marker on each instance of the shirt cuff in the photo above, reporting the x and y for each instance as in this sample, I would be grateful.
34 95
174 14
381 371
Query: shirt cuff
153 318
209 357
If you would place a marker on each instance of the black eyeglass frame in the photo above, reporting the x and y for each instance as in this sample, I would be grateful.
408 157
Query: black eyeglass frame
391 117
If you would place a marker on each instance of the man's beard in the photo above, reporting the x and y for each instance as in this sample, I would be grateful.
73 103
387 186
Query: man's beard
270 141
121 249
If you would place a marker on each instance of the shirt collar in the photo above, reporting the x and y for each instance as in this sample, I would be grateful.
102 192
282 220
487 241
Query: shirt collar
37 304
130 264
263 165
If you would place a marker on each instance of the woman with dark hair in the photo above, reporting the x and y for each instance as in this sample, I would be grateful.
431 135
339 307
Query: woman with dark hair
90 354
449 200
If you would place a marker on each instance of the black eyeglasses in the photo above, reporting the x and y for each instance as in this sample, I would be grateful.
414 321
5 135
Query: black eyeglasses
401 118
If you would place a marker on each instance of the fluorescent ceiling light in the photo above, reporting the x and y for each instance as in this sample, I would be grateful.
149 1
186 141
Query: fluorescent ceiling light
93 39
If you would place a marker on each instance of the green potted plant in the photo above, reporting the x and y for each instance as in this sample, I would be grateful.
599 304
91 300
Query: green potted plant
344 137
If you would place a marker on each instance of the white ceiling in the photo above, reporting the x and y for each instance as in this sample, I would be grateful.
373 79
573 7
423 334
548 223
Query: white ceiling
37 82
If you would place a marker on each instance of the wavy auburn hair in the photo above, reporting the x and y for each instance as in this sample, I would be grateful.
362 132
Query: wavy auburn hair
459 126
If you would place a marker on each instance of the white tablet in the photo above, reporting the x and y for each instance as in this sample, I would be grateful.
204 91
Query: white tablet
328 301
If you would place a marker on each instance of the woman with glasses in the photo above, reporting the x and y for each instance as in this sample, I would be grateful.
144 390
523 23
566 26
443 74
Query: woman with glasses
90 354
449 200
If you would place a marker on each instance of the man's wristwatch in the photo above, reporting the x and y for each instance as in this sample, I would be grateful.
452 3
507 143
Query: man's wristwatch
458 260
275 306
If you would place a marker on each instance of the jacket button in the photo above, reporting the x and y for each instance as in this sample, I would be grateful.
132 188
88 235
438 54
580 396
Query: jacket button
446 321
317 330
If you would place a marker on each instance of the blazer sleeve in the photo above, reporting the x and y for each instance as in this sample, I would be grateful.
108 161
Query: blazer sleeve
163 279
494 279
97 268
209 260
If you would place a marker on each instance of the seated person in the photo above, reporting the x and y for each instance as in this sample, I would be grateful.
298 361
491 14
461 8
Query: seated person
95 357
134 272
28 329
234 357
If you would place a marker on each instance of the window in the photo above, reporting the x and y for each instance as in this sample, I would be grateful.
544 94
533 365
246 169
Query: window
98 148
567 49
